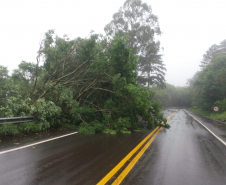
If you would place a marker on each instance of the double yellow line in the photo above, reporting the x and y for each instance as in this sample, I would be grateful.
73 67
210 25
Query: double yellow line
120 178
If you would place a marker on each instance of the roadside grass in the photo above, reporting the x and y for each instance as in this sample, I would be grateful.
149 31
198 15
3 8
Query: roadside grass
213 115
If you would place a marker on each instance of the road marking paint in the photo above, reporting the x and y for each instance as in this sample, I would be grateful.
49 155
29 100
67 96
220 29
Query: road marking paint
207 129
137 157
133 162
26 146
122 162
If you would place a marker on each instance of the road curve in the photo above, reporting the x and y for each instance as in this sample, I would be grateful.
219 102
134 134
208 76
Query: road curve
184 154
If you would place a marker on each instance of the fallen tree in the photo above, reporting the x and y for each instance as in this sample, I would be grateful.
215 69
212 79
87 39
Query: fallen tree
90 83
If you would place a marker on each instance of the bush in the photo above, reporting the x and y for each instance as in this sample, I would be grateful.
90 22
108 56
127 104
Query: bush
33 127
45 112
150 125
28 127
221 105
167 125
109 131
16 107
91 128
84 128
9 130
122 124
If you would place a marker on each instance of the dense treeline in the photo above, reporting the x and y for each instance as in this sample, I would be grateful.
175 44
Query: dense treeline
172 96
205 90
208 86
89 84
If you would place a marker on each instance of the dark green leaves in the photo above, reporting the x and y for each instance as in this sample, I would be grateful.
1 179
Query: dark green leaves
136 21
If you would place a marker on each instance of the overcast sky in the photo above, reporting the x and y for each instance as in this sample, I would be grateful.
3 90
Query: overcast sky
189 28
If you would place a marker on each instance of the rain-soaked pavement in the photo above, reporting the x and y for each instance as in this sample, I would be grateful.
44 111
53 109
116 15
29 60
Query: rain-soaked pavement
184 154
76 159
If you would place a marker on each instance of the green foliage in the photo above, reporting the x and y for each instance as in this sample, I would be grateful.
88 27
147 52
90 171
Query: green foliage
210 114
214 51
109 131
89 84
44 111
28 127
7 88
15 107
45 114
85 128
172 96
24 77
167 126
221 105
151 124
122 124
220 116
141 130
9 130
210 85
136 21
91 127
125 131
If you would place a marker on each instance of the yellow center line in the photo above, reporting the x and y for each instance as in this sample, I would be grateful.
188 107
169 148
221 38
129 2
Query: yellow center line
122 162
133 162
137 157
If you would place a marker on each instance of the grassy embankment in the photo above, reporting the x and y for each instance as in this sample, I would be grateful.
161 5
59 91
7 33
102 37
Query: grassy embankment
210 114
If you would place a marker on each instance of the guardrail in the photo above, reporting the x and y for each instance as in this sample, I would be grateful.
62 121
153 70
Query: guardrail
16 120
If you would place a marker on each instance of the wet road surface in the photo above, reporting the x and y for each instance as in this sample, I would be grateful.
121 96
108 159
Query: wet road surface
76 159
185 154
218 127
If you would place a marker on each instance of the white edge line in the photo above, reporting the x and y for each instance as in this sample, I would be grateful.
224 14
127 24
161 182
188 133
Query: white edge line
207 129
26 146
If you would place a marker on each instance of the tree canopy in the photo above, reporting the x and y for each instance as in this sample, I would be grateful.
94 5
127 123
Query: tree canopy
172 96
89 83
208 86
136 21
212 53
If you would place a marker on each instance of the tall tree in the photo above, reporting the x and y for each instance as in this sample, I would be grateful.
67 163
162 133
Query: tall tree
7 87
3 83
209 55
212 53
210 85
135 19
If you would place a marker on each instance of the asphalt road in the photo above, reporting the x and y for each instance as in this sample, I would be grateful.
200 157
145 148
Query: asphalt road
77 159
184 154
